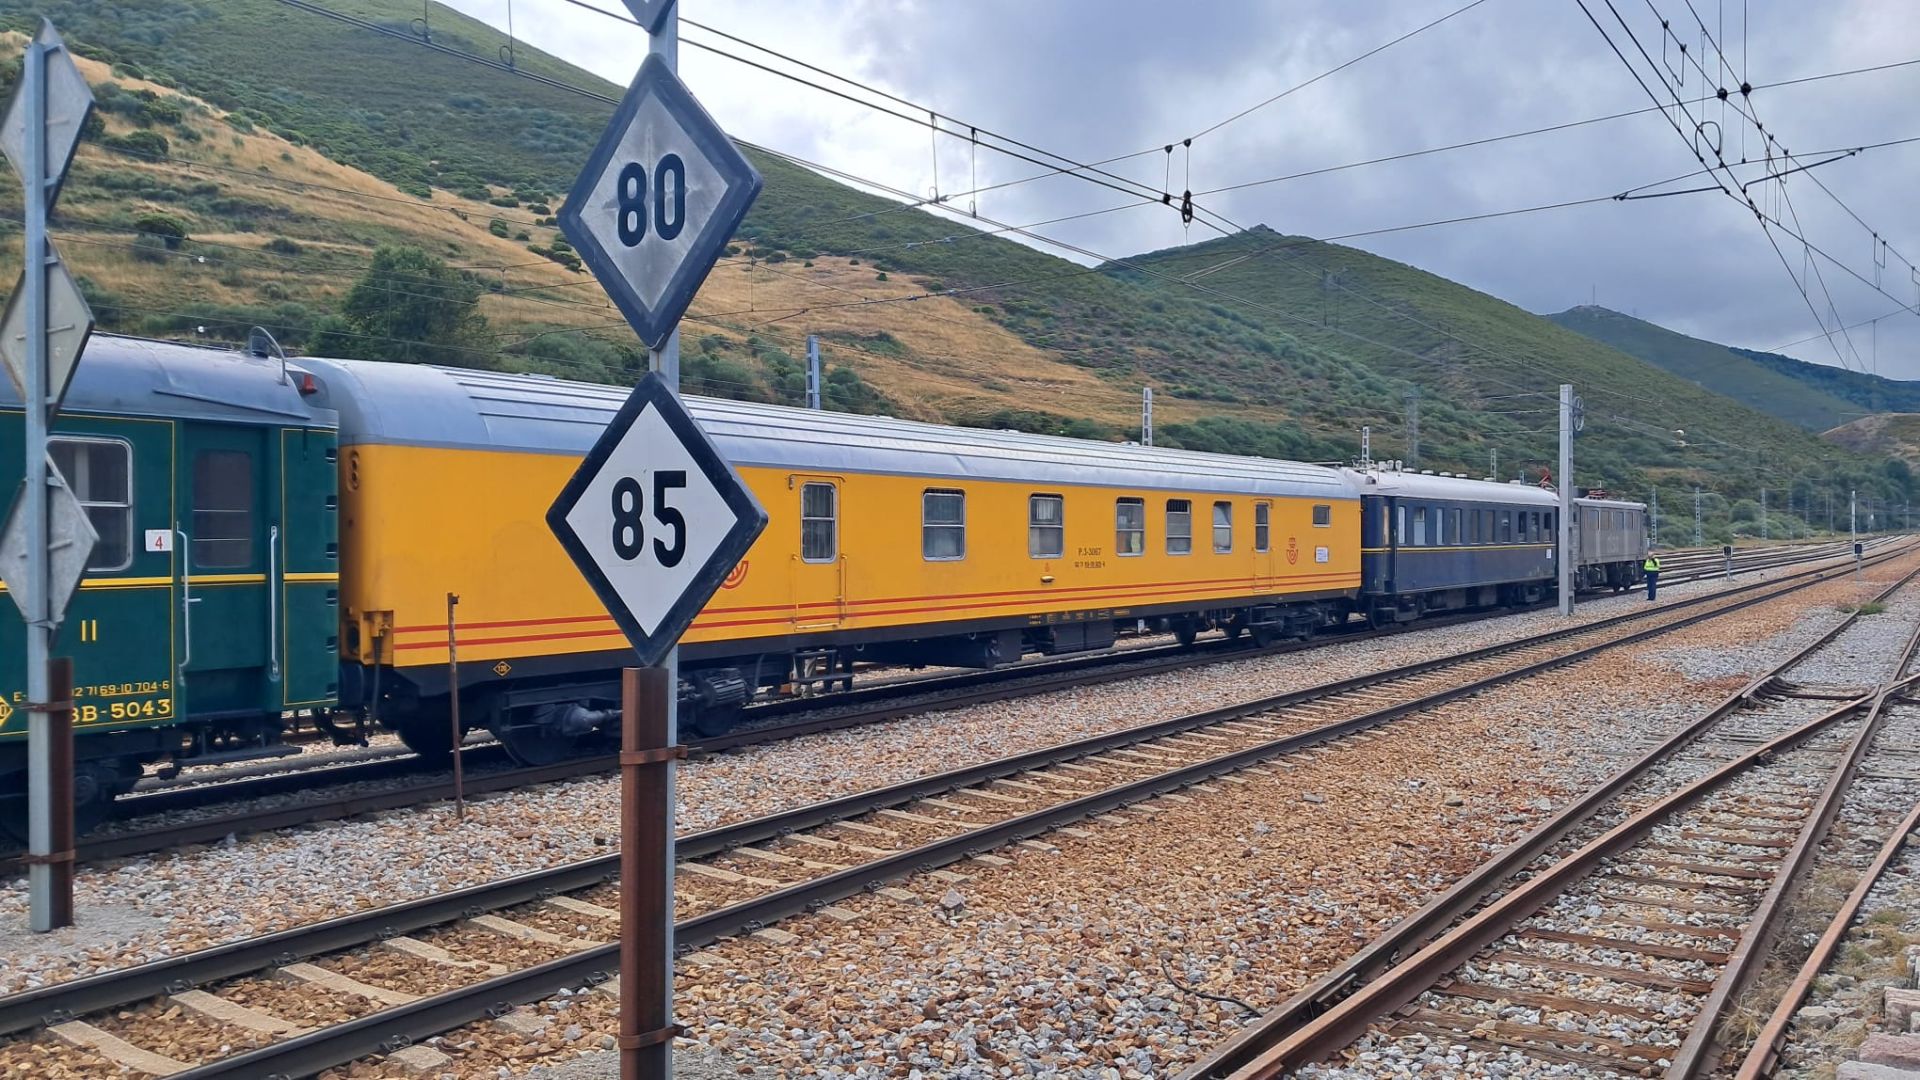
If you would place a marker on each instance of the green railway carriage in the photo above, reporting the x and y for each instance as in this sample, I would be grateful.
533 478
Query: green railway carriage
209 608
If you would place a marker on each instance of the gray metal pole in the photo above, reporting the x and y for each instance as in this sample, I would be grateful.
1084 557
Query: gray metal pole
1698 537
1656 517
1763 515
658 1059
1853 515
1146 416
813 372
40 875
1566 499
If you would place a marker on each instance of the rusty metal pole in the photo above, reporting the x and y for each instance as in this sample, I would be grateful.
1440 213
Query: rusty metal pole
453 709
59 721
647 757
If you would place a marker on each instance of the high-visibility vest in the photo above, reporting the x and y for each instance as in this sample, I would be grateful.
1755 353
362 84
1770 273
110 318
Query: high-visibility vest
1652 565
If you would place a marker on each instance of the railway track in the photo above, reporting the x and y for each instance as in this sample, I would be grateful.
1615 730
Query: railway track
1645 912
487 769
557 928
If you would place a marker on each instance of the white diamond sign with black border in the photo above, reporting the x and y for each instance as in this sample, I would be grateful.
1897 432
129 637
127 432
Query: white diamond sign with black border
655 518
657 202
651 13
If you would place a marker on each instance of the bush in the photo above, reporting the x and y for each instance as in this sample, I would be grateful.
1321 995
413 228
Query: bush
497 227
141 144
168 229
150 248
238 121
504 200
280 245
523 236
881 276
413 307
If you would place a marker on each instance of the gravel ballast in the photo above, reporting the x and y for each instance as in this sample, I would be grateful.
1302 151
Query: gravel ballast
169 903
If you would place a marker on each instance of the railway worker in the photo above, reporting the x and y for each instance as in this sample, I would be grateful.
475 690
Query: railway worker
1651 567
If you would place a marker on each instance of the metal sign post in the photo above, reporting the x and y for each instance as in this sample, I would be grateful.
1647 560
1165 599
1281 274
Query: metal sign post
654 518
1566 499
48 538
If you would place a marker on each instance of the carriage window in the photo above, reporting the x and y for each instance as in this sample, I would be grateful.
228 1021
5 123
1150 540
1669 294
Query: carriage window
1130 527
1419 526
1506 526
1046 526
1263 525
1547 522
1400 526
1453 526
1222 528
1440 533
222 508
1179 527
1322 515
943 525
1533 526
1487 535
100 472
819 522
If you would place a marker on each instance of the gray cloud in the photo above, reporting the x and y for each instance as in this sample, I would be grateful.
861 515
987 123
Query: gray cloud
1097 80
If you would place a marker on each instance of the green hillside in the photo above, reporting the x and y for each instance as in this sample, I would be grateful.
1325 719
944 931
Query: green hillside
1865 392
1715 367
1286 351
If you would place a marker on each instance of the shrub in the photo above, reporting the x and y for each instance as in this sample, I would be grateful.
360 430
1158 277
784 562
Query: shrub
238 121
280 245
169 230
881 276
523 236
143 144
504 200
150 248
540 208
497 227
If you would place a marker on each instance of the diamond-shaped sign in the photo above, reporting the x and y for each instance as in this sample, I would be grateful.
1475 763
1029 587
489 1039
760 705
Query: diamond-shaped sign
657 202
655 518
650 14
69 100
69 324
71 538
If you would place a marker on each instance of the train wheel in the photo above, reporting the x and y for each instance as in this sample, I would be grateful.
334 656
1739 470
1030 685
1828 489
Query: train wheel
94 789
1186 631
428 736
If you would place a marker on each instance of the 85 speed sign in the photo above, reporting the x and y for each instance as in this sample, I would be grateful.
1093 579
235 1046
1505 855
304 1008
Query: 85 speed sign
655 518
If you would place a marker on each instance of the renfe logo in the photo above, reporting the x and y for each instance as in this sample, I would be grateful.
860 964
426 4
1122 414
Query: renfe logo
735 576
1293 550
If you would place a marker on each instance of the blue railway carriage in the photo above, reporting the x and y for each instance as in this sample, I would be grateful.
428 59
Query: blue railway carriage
1610 537
1450 543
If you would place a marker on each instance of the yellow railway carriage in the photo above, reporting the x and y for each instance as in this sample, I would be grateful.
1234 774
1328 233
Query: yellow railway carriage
888 541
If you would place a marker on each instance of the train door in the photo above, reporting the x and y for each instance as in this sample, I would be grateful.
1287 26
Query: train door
1263 564
306 562
818 576
229 660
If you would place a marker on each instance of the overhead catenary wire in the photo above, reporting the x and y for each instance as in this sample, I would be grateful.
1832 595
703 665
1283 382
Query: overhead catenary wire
1028 232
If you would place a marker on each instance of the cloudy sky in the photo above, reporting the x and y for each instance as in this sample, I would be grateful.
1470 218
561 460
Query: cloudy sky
1095 80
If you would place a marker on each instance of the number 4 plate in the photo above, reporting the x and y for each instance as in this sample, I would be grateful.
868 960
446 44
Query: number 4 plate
655 518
